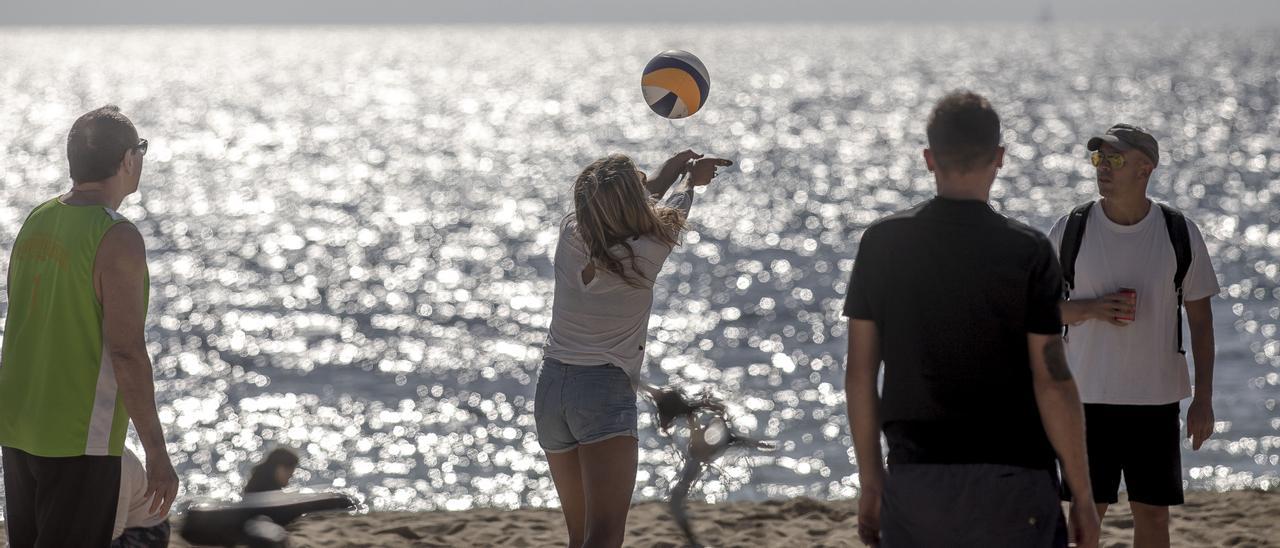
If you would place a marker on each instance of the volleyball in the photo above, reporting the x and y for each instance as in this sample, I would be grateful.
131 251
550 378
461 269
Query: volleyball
675 84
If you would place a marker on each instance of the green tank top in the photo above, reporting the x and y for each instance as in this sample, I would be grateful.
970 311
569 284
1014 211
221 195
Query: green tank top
57 387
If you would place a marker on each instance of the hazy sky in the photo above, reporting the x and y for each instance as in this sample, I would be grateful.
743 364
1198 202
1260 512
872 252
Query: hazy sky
1212 12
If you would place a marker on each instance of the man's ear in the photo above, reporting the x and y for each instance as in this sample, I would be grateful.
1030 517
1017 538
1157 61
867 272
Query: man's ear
126 164
1145 168
928 160
999 157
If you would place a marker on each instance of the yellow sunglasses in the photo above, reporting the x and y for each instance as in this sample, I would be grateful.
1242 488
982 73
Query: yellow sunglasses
1115 160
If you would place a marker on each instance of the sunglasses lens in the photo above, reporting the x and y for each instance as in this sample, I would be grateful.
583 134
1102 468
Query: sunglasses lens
1115 161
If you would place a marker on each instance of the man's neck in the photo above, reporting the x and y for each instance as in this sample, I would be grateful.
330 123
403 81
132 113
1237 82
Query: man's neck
964 190
1126 211
87 194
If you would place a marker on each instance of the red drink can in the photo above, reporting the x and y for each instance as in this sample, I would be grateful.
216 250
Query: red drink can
1133 300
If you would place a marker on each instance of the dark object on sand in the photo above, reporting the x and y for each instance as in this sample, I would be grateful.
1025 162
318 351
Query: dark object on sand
258 520
261 532
710 435
273 473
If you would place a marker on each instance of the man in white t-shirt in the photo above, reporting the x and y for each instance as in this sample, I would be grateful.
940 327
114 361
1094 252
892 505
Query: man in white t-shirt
1124 340
136 526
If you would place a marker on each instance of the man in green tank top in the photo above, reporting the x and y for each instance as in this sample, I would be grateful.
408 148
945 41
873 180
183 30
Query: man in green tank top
74 368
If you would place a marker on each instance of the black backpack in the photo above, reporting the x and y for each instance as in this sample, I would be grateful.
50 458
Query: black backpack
1073 236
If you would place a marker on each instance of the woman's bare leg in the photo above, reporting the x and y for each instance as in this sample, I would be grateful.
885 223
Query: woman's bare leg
567 475
608 481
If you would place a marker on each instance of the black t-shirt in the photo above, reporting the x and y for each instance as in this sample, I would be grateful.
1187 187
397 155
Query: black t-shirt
954 288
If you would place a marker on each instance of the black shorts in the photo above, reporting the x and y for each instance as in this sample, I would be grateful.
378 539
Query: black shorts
978 505
1141 442
60 501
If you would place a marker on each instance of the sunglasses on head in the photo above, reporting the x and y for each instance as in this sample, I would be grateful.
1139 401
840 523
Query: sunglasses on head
1116 161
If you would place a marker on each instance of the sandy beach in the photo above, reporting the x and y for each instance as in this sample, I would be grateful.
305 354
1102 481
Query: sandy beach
1241 518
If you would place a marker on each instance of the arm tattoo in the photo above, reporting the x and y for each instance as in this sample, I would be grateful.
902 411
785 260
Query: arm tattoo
1056 357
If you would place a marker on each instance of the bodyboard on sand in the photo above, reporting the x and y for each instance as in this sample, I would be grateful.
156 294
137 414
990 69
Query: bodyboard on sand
224 523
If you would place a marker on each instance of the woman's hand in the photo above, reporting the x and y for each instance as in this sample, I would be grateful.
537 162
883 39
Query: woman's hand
678 164
703 170
670 171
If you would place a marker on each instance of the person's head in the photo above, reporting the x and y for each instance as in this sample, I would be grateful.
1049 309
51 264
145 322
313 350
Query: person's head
1124 158
103 147
612 206
964 140
284 462
273 472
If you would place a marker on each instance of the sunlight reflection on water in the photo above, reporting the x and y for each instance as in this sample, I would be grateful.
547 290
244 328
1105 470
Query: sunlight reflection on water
350 230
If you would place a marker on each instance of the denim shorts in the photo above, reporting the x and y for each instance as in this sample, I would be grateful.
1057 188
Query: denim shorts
581 404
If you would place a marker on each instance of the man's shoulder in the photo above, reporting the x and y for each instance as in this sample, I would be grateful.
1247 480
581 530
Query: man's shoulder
115 216
122 247
1193 229
1011 233
86 221
1059 226
897 220
46 207
1025 232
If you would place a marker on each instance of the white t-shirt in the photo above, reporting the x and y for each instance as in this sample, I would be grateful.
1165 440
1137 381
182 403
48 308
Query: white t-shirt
1137 364
132 510
605 321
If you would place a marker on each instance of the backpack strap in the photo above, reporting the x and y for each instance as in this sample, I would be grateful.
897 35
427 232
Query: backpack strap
1176 223
1069 248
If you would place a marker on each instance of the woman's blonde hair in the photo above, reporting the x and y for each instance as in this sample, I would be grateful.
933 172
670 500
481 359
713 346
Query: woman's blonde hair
612 207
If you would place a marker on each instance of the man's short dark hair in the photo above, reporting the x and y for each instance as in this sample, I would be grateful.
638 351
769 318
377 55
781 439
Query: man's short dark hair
964 132
98 141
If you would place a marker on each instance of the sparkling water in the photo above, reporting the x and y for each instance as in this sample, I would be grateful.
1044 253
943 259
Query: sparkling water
350 229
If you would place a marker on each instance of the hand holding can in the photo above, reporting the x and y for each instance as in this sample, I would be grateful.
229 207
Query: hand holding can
1118 308
1132 295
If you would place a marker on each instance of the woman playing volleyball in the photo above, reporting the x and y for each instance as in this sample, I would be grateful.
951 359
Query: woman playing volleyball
610 251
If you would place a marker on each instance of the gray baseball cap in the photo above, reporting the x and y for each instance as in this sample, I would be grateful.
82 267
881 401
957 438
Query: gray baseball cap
1127 137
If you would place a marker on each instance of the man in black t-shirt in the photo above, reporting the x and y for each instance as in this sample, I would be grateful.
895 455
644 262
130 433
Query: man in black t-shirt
961 305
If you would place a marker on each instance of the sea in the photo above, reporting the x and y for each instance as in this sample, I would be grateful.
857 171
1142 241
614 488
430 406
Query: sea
350 229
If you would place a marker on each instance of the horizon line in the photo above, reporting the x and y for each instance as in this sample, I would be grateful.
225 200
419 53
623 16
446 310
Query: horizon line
1064 23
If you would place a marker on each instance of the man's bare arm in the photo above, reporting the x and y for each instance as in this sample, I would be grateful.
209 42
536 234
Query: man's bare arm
1060 409
1200 417
120 270
1200 324
121 265
1062 415
862 399
1106 308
